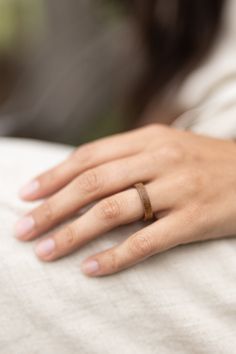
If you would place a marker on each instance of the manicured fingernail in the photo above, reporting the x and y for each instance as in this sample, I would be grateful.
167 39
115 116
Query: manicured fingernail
24 226
45 248
29 189
90 267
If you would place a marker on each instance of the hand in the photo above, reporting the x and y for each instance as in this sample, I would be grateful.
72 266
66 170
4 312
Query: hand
190 179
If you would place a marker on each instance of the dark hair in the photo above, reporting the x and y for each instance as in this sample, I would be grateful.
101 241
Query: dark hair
176 35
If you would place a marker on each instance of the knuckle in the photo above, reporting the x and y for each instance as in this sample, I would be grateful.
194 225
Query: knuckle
84 153
90 181
113 262
69 237
140 245
47 213
109 209
172 151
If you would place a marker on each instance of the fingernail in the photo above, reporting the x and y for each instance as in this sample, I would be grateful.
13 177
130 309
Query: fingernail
24 226
29 189
45 248
90 267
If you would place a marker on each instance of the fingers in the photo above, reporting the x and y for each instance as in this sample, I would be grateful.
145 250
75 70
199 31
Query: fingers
83 158
153 239
93 184
122 208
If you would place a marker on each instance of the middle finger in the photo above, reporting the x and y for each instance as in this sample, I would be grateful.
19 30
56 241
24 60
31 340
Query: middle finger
91 185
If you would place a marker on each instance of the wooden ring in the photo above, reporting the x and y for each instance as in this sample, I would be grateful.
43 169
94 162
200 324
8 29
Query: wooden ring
147 206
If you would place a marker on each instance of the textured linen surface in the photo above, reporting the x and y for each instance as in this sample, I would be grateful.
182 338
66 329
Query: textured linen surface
180 301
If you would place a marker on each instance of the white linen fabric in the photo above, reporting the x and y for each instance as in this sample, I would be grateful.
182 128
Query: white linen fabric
181 301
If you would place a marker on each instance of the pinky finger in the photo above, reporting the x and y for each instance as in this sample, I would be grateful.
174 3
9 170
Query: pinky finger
153 239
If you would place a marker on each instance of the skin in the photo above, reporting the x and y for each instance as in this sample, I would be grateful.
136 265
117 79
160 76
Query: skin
190 179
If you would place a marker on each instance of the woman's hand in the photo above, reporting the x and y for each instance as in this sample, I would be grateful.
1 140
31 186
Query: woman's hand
190 179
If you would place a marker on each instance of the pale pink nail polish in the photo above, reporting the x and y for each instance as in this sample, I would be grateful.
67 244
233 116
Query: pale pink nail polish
29 189
90 267
45 248
24 226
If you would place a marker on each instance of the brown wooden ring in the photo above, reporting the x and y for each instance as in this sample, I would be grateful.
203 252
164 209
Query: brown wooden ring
147 206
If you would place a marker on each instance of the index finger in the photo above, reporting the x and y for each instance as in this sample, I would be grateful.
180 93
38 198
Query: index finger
86 156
